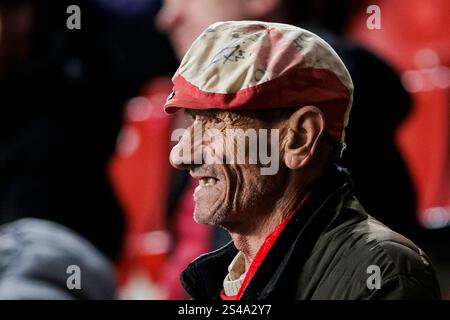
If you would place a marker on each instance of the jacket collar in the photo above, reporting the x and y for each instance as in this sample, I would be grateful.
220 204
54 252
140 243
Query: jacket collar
203 278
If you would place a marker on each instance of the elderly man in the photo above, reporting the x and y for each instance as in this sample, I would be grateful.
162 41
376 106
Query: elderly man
297 230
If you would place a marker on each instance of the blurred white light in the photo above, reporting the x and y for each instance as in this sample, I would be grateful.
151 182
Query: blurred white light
156 242
441 77
413 81
437 217
128 141
139 109
426 58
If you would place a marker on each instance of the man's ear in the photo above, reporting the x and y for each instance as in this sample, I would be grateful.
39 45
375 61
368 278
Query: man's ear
255 9
305 127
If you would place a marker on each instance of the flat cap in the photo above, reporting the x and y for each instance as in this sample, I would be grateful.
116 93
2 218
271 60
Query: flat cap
248 65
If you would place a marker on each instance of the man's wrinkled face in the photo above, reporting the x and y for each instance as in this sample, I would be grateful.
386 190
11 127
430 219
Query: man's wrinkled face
184 20
228 193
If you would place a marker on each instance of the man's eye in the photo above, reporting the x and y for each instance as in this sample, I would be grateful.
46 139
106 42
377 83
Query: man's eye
214 118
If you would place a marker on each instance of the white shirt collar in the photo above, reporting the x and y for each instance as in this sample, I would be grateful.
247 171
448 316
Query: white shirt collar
236 275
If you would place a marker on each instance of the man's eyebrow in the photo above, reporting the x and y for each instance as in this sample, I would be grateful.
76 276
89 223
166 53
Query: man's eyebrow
207 113
192 112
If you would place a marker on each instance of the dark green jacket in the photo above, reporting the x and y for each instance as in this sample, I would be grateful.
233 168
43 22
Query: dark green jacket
330 249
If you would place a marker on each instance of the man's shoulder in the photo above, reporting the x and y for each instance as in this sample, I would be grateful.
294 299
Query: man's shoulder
365 253
376 243
354 233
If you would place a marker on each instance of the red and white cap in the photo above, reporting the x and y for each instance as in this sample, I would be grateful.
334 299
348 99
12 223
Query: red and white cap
248 65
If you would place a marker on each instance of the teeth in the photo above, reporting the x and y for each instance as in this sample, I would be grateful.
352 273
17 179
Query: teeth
207 182
211 182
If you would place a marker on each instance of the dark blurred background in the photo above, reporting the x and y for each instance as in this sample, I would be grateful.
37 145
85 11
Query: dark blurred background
84 141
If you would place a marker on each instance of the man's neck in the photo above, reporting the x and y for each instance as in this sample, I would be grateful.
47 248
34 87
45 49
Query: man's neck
263 225
249 244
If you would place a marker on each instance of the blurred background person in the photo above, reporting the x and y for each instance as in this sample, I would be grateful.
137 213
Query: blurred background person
43 260
56 88
414 39
62 94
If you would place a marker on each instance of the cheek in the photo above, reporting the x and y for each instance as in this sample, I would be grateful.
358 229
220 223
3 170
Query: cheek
200 14
226 10
259 189
206 12
248 182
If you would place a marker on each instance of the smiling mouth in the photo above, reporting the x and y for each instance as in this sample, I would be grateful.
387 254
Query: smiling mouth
207 181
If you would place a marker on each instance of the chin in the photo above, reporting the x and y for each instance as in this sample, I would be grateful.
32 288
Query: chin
199 218
213 218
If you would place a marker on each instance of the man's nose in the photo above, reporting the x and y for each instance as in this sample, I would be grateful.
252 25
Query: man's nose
187 153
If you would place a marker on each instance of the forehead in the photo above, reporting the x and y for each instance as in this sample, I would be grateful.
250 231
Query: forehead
206 113
265 118
216 114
